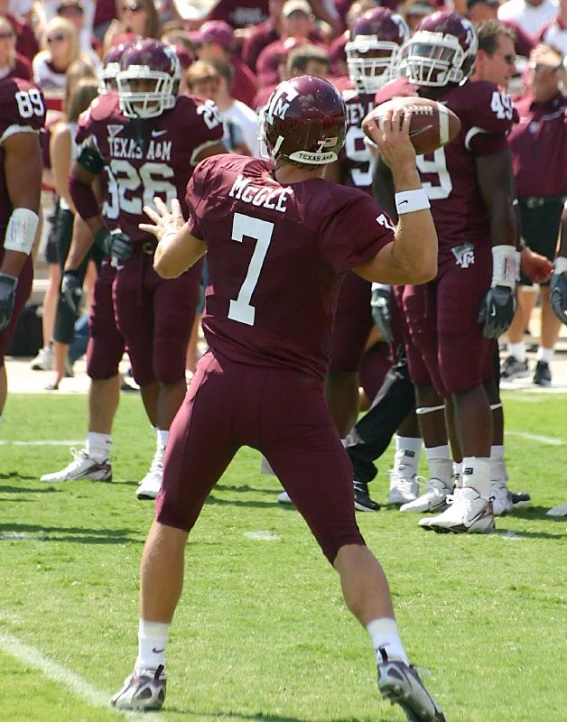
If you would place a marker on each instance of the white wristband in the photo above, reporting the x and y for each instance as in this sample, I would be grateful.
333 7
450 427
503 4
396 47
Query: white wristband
504 266
410 201
560 265
20 233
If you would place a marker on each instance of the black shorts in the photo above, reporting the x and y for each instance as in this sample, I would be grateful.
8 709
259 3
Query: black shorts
540 229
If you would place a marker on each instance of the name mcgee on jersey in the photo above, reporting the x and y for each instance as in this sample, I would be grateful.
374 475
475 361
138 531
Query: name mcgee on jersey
243 190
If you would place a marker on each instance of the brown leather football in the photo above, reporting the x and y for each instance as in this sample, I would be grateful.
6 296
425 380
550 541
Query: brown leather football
432 124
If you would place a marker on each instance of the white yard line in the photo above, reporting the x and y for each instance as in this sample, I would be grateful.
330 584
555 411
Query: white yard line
42 442
549 440
78 686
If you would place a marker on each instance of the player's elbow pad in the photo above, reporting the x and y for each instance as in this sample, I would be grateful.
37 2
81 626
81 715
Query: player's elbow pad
84 198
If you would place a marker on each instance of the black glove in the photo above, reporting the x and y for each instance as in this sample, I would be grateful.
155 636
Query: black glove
497 311
380 303
115 243
8 286
558 295
72 291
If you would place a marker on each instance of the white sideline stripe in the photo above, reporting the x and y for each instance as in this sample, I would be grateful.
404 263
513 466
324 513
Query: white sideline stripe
78 686
42 442
550 440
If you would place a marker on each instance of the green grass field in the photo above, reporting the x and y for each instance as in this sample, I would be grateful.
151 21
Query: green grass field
261 632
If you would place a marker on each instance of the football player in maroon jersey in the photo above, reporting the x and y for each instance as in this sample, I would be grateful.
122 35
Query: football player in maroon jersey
147 140
22 115
454 319
106 344
372 53
278 239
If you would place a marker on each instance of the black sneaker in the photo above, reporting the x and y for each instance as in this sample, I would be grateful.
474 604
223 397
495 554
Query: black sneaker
362 500
520 498
542 375
512 368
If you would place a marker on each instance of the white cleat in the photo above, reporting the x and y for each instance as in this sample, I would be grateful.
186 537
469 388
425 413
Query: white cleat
467 513
558 511
83 466
403 486
433 500
150 485
400 683
284 498
501 498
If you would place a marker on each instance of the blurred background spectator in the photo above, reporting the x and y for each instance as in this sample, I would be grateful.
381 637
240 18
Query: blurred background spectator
12 64
530 15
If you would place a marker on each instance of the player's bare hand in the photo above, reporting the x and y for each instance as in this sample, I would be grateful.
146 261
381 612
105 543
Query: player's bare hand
536 267
164 219
393 141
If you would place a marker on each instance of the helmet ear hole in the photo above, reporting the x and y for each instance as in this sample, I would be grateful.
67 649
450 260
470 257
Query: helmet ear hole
304 122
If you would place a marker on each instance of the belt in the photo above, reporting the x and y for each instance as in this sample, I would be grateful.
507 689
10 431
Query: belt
539 201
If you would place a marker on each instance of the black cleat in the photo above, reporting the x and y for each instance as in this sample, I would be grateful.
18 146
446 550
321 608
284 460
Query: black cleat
362 500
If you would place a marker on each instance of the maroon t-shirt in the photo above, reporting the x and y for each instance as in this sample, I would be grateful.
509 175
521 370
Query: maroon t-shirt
22 110
539 147
449 174
524 43
244 84
240 13
149 157
261 37
26 43
22 68
355 157
276 254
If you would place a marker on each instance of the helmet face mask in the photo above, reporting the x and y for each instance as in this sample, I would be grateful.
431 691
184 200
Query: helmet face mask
108 78
304 122
442 51
373 52
148 80
370 69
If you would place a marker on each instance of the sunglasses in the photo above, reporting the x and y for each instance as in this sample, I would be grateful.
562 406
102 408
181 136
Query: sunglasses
544 69
56 39
131 8
6 36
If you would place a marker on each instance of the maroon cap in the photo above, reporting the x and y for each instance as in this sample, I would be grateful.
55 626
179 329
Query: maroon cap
217 31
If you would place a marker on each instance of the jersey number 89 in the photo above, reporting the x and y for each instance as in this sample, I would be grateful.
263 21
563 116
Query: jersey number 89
30 103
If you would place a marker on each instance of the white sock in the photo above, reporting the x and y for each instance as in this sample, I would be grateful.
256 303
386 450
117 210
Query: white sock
498 471
384 635
517 350
162 435
440 464
458 473
544 354
408 451
476 474
152 639
99 446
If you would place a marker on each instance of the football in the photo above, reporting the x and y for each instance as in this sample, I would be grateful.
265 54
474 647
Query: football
432 124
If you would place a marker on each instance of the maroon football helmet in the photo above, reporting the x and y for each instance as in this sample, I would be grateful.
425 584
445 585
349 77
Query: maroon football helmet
304 121
110 67
442 51
373 51
148 60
